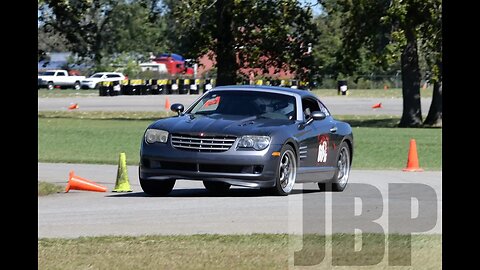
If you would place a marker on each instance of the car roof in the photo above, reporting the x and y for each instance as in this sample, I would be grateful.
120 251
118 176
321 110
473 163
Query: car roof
302 93
107 73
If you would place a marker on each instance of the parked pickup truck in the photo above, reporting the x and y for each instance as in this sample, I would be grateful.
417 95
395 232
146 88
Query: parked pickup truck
52 78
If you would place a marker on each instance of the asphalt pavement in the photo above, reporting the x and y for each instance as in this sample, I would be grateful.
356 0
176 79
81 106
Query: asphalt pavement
339 105
375 201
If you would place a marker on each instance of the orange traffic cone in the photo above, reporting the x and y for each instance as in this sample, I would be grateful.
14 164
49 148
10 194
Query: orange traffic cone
412 163
167 104
79 183
73 106
377 106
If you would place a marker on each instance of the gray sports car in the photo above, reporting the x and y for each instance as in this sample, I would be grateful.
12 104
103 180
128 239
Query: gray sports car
253 136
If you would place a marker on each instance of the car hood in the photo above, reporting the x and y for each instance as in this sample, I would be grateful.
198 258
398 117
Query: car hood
216 124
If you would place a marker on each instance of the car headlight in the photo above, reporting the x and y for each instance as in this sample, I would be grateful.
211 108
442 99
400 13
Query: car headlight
156 135
255 142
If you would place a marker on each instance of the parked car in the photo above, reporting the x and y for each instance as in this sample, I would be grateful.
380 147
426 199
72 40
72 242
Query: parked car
92 81
254 136
58 77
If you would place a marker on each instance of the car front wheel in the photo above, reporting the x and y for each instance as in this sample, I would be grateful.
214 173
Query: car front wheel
50 86
342 172
287 172
157 187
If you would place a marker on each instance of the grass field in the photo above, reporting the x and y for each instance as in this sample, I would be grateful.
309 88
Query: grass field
44 93
257 251
380 93
94 137
45 188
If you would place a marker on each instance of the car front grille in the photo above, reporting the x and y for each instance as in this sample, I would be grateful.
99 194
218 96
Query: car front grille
201 167
202 143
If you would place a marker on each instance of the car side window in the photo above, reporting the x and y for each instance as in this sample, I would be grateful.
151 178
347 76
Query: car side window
324 109
309 106
61 74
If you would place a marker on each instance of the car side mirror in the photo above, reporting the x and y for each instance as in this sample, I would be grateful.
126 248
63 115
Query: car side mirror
177 107
314 116
317 115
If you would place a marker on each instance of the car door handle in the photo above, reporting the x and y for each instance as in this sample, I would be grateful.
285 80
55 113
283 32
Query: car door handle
333 129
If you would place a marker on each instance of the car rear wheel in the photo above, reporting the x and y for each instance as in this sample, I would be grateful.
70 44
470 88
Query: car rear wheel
77 86
157 187
216 187
50 85
342 172
287 172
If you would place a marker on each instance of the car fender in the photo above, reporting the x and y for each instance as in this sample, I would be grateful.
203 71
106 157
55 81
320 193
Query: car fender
282 139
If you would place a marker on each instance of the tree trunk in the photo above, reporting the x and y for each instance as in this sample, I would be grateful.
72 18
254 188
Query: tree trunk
225 53
412 111
96 50
97 59
434 117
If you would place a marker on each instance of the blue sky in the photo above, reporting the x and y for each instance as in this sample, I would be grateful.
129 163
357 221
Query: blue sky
316 8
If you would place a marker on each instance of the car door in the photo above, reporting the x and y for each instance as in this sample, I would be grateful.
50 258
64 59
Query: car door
335 139
61 78
316 149
327 140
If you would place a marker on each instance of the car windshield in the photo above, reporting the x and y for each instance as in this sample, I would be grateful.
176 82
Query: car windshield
96 76
252 103
47 73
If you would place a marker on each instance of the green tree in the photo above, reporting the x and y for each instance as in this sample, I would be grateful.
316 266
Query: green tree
431 45
82 22
50 41
327 46
136 28
329 56
100 28
245 34
392 30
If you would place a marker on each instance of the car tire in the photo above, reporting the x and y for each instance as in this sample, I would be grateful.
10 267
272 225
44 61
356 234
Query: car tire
77 86
342 172
50 86
216 187
157 187
286 172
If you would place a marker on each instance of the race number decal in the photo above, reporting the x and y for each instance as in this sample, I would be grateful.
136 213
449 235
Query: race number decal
322 148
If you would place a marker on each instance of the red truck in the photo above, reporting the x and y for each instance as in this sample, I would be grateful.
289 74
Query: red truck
175 63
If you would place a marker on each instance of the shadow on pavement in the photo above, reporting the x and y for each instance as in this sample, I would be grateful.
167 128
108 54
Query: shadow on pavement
200 192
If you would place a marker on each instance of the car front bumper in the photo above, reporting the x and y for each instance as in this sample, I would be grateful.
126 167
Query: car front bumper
256 169
90 85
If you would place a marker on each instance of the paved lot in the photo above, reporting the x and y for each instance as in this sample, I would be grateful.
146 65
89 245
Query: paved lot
190 209
337 105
